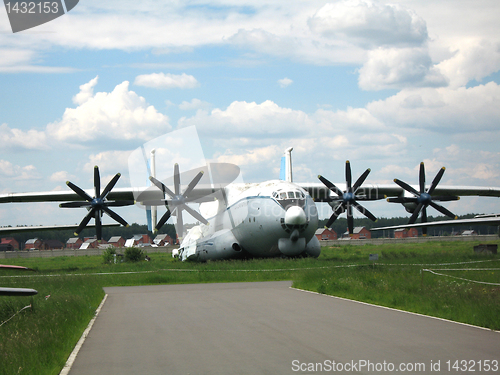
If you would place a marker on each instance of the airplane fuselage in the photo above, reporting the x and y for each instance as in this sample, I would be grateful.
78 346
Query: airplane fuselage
273 218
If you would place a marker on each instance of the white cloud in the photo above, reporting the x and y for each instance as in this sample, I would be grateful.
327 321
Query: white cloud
253 120
120 114
285 82
19 139
86 91
194 104
462 110
60 176
475 59
166 81
110 162
351 118
399 68
369 23
24 60
16 172
252 157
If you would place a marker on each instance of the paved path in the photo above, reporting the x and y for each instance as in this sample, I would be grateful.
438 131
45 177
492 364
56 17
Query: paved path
268 328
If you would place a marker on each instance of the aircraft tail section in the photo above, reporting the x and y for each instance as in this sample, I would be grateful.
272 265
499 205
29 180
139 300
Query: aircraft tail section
286 165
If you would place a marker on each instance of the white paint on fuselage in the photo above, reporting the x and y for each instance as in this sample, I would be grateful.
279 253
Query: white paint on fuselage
255 215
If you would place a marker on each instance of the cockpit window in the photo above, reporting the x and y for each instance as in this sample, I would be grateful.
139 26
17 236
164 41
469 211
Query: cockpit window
290 198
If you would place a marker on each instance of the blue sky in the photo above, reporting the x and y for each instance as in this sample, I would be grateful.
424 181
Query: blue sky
385 85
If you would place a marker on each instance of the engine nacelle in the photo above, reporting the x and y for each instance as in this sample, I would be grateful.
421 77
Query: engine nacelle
409 207
221 245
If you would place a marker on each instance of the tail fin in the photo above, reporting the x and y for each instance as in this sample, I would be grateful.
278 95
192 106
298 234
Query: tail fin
286 165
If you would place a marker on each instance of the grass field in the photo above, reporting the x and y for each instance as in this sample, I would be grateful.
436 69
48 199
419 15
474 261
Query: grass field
38 340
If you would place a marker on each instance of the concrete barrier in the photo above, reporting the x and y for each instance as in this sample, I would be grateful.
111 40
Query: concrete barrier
383 241
74 252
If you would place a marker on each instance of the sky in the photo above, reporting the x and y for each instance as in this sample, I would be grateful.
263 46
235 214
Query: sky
385 85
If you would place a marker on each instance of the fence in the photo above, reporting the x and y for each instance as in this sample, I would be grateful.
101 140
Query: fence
383 241
73 252
373 241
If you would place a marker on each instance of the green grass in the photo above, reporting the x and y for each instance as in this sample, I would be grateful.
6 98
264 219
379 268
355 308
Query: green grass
39 340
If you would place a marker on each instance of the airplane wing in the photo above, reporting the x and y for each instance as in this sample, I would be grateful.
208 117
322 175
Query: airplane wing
16 291
63 196
320 192
485 220
8 230
146 194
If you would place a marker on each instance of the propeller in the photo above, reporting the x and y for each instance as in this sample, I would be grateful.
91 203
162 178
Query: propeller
177 200
348 199
424 198
98 204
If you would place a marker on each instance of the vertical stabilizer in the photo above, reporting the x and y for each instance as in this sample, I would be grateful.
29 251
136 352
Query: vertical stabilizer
286 165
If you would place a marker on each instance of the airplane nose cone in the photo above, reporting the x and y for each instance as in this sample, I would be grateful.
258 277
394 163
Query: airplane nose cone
295 215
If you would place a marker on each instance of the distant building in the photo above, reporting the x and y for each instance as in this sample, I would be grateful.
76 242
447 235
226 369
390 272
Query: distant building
359 233
326 234
33 244
51 245
163 240
139 239
90 243
9 244
404 233
74 243
117 241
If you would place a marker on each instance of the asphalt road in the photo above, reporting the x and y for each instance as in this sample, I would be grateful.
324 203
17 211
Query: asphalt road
270 328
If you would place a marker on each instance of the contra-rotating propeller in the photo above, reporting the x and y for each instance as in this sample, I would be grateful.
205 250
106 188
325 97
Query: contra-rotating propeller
424 198
347 199
177 202
98 204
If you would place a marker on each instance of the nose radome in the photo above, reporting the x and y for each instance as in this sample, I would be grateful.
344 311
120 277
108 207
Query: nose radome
295 215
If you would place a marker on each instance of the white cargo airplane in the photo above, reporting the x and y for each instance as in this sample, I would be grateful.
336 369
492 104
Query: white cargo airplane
272 218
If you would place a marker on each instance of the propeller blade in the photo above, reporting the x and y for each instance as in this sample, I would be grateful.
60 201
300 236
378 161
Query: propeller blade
331 186
192 184
194 214
160 185
360 180
79 191
336 213
177 180
443 210
402 200
163 219
446 198
364 211
85 221
350 219
98 225
119 203
115 216
110 186
370 197
414 216
74 204
348 176
180 223
421 178
407 187
97 182
436 180
424 220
